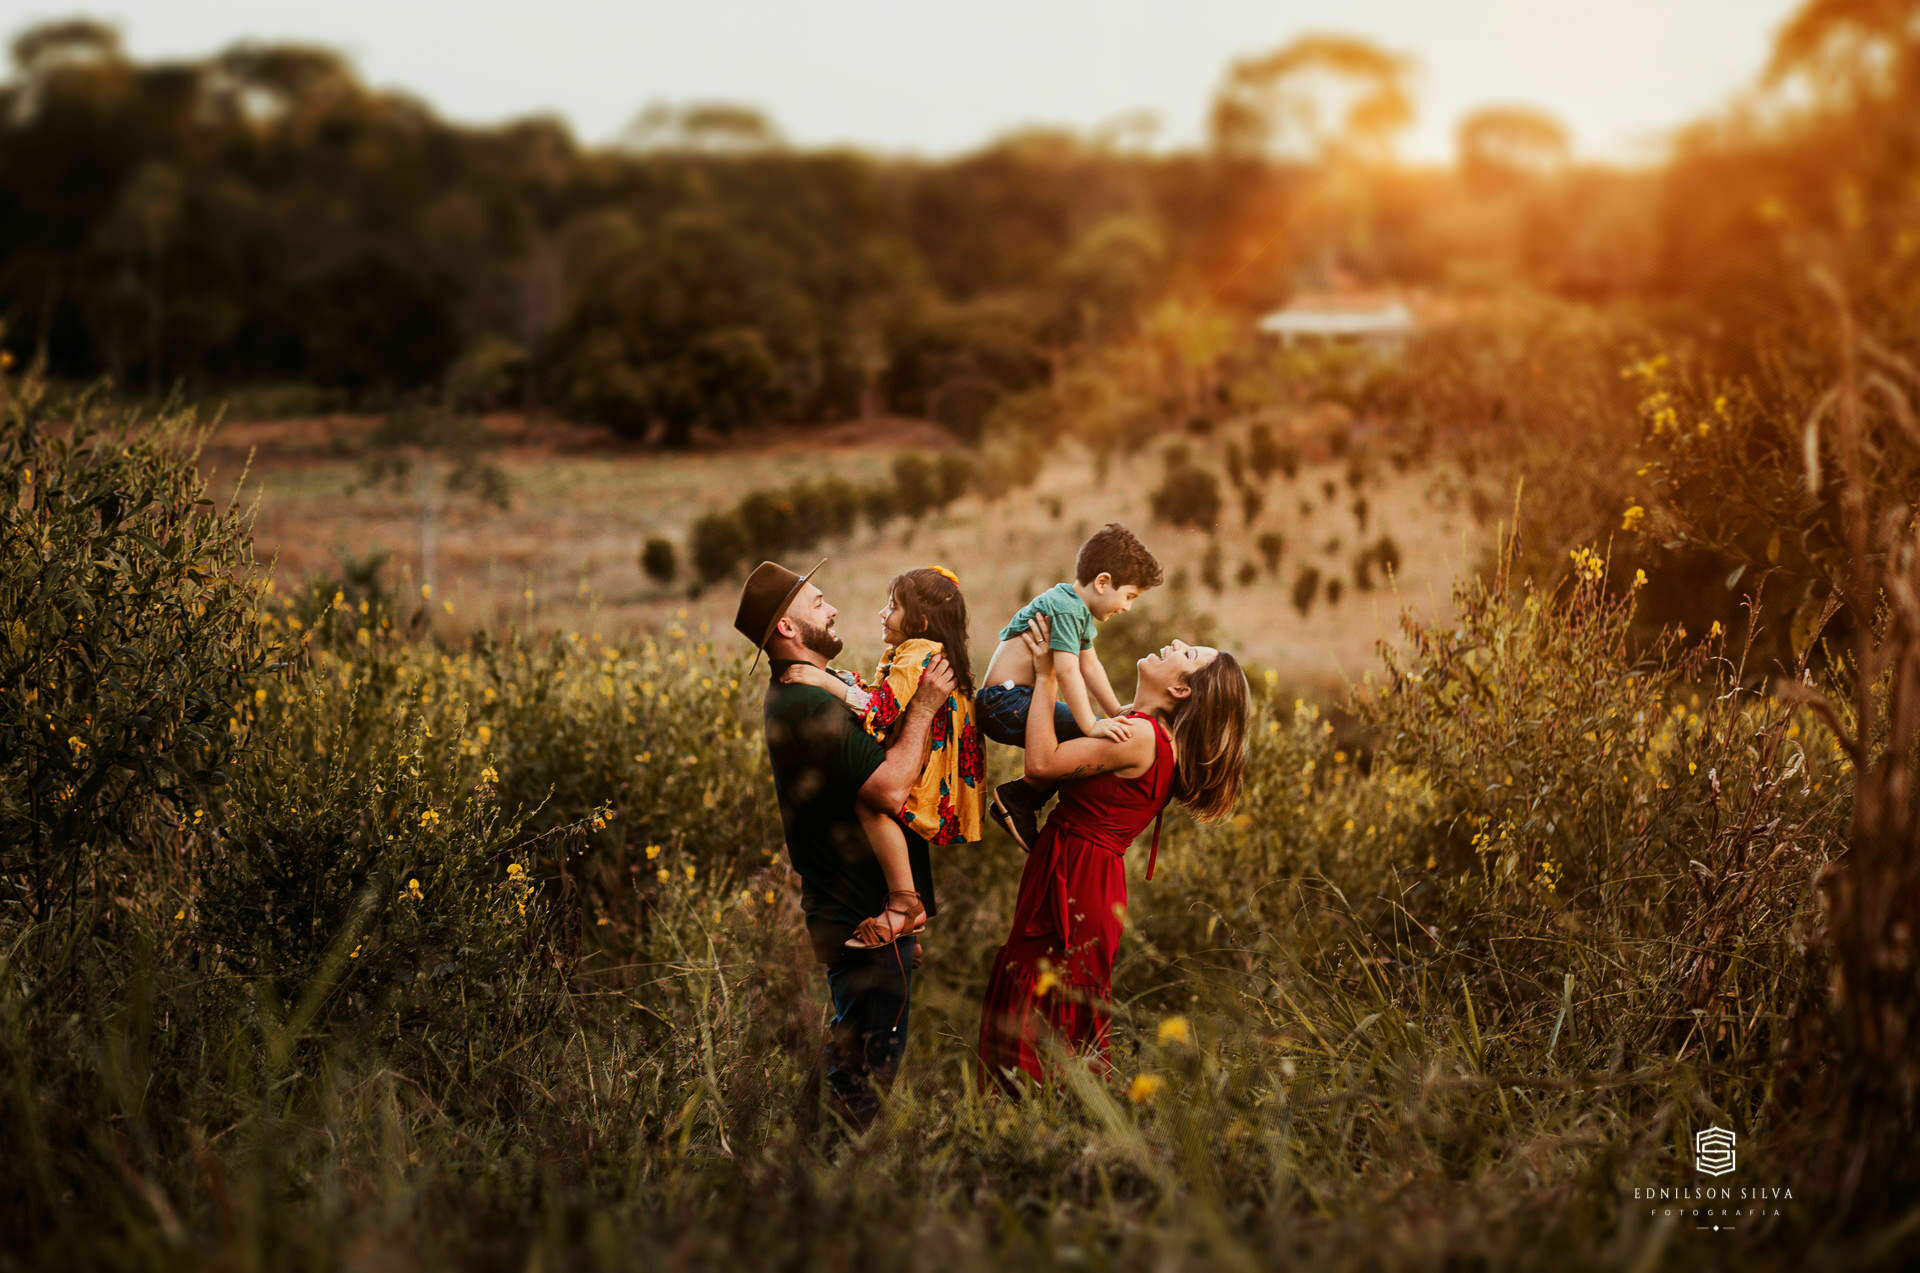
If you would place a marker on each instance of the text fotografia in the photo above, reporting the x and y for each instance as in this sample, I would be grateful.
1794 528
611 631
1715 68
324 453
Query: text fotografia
1717 1205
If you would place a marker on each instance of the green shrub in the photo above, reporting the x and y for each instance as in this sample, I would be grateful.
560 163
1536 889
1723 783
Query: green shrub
129 636
1211 563
659 561
916 486
1271 544
1188 497
1306 586
768 521
715 548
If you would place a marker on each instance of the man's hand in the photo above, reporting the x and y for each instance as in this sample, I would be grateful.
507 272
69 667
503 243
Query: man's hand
936 683
1113 729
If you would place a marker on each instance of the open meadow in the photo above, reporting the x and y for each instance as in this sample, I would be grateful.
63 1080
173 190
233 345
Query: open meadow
394 868
565 551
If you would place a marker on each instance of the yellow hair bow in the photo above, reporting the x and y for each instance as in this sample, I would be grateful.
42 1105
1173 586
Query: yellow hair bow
953 578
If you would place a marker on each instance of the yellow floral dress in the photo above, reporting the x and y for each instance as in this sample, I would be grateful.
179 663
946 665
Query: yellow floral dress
946 802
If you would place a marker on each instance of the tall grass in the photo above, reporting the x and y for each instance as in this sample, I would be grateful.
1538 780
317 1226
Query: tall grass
486 956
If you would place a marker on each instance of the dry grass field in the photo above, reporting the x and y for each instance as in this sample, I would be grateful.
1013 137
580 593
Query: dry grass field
565 553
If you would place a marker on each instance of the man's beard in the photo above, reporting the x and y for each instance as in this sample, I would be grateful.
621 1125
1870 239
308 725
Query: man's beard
820 640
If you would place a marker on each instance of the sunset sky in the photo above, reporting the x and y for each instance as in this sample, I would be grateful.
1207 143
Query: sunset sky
897 76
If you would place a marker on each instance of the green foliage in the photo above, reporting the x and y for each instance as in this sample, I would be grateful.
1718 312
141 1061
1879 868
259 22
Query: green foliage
127 637
716 545
1271 544
1211 565
1306 586
659 561
1187 496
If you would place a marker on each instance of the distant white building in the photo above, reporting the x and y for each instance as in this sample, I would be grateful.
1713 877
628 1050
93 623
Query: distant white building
1369 318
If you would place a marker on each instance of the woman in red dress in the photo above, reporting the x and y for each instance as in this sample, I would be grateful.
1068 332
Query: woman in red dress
1054 975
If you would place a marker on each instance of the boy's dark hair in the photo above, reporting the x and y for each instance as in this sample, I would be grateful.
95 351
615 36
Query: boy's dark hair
1114 550
932 606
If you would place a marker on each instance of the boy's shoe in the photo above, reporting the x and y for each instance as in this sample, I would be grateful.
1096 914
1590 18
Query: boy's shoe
1016 807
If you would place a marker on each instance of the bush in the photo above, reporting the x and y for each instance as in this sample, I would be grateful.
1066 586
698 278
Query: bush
1306 585
659 561
879 504
716 546
1210 567
1271 544
917 486
1188 497
130 633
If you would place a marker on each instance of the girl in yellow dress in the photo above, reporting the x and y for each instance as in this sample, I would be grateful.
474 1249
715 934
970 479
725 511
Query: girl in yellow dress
925 615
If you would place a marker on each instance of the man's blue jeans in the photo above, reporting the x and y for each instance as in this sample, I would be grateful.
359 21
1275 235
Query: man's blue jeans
868 1034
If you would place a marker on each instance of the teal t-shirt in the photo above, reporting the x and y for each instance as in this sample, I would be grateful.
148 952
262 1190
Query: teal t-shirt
1072 621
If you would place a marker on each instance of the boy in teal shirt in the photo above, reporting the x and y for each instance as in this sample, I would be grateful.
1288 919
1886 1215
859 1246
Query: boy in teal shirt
1111 572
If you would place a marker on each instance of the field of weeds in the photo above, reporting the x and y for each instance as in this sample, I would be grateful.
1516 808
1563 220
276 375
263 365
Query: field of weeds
332 942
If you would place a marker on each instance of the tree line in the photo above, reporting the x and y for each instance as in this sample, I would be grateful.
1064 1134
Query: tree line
262 216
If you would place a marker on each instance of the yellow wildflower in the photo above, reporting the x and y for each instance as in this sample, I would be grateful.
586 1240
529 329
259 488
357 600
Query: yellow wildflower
1045 982
515 870
429 819
413 890
689 870
1173 1030
1145 1087
663 875
1631 518
653 851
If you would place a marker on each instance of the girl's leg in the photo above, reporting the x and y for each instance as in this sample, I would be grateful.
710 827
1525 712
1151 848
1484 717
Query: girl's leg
888 841
889 844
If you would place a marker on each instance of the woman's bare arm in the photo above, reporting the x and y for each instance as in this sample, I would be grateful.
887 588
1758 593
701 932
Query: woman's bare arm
1050 759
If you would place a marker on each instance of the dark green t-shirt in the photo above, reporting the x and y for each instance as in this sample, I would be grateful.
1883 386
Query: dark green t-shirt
1072 622
821 757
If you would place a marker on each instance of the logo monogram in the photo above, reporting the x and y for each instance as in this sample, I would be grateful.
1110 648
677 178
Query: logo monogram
1713 1151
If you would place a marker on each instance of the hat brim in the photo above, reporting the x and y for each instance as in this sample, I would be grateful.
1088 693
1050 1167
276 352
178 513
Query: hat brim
780 612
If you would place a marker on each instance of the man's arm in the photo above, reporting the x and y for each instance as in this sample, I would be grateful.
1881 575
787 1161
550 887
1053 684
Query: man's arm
888 786
1094 673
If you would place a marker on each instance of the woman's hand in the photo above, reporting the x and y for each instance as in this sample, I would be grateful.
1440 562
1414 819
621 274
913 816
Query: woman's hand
1039 632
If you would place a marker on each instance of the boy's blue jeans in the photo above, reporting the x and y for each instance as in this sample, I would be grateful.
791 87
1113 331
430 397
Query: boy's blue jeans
1001 711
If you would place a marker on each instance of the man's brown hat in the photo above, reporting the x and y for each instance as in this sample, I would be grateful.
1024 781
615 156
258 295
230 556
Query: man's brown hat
768 592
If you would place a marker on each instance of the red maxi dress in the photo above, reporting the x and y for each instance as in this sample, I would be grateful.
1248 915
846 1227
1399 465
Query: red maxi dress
1054 975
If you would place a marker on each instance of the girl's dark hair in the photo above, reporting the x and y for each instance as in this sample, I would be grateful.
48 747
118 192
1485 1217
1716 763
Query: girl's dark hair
931 606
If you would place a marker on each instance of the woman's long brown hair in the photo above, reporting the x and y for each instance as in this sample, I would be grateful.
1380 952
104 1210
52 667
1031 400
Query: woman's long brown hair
1209 729
931 606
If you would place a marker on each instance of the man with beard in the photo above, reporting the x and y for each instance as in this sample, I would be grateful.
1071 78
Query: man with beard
824 763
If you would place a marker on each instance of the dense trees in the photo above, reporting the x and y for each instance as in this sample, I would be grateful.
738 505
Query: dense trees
260 215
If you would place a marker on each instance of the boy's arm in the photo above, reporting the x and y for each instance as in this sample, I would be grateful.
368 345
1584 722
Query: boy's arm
1073 689
1049 759
1094 673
